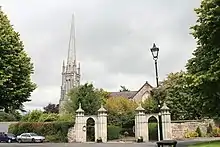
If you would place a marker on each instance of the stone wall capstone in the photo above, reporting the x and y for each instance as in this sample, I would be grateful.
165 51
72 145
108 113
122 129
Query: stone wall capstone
179 128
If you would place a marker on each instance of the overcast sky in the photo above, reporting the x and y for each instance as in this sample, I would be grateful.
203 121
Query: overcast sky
113 40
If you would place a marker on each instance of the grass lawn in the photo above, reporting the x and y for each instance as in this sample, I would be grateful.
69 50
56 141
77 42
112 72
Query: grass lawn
207 144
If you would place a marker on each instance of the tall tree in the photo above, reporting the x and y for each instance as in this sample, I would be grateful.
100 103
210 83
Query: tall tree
15 68
150 104
51 108
204 66
178 95
180 98
121 111
90 98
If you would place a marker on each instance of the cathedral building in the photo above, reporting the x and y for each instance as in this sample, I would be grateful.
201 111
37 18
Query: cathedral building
70 70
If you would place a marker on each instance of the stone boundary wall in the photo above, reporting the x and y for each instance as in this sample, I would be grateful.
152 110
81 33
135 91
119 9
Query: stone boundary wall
5 125
71 135
180 127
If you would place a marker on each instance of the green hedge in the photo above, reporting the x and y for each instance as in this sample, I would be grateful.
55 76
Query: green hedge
153 131
113 132
53 131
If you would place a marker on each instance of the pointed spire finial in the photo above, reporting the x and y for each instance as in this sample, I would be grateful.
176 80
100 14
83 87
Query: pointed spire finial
72 42
80 108
63 68
102 109
165 107
140 108
139 105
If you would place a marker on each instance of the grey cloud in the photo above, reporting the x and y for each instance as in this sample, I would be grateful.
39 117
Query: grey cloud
113 39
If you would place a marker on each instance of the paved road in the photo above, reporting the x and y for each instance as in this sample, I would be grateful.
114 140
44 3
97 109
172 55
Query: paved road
149 144
78 145
83 145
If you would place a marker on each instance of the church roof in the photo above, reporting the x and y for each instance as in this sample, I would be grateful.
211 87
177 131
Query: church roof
127 94
145 84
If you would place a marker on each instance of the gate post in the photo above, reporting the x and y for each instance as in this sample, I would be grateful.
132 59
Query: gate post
102 124
166 122
80 125
140 123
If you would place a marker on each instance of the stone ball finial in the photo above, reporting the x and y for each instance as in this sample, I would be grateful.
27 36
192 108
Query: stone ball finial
164 108
79 109
140 108
102 109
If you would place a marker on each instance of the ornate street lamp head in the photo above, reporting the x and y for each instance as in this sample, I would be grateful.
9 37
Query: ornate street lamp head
154 50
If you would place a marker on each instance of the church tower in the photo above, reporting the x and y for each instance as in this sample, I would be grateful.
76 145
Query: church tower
70 70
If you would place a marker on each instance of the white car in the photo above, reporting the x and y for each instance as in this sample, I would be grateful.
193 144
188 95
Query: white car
30 137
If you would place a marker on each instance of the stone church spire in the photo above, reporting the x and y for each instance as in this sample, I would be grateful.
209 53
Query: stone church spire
70 71
72 43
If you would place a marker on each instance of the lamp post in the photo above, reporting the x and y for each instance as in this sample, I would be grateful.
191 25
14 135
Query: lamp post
155 50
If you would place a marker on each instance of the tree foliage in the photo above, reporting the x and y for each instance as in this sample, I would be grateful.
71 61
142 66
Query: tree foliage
204 66
121 111
177 93
15 68
51 108
40 116
151 105
5 117
90 98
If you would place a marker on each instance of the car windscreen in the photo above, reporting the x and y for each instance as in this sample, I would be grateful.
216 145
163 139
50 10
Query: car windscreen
33 134
10 134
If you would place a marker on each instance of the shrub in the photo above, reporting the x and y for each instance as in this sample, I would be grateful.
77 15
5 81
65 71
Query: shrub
6 117
153 131
198 130
209 129
52 138
191 134
66 117
53 131
113 132
32 116
40 116
216 132
50 117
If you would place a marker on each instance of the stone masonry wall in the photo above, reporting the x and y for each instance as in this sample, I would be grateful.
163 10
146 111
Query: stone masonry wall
71 135
179 128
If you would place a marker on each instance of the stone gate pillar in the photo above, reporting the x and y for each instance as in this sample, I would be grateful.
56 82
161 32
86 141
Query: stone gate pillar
166 122
80 125
102 124
141 128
